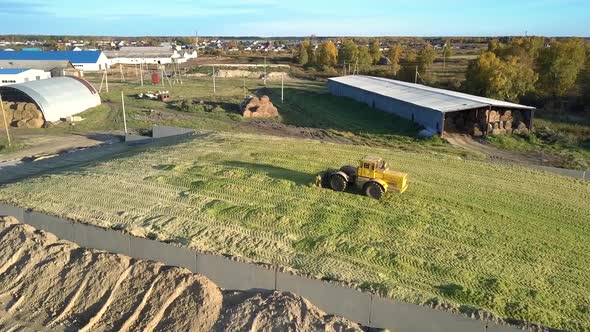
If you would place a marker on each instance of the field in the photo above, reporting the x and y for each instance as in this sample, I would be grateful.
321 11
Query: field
501 238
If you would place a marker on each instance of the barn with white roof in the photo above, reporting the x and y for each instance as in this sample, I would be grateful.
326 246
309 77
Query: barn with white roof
438 110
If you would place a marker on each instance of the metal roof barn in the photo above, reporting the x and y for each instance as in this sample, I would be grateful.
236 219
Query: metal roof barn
72 56
57 97
422 104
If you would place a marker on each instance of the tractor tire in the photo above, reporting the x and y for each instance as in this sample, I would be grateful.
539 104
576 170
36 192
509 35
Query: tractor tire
374 190
349 170
338 182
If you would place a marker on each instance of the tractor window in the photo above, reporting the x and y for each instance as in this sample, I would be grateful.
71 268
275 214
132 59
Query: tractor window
367 166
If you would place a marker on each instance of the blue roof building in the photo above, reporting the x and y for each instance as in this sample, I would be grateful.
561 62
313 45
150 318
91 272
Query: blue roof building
11 71
82 60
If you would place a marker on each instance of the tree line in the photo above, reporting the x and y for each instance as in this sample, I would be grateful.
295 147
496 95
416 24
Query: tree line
531 66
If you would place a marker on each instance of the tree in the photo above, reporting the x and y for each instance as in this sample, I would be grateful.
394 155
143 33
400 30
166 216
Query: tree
310 53
559 66
364 60
410 55
348 52
394 54
426 58
375 51
302 56
327 54
447 51
493 77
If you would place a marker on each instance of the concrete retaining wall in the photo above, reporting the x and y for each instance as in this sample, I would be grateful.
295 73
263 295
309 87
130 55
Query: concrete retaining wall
165 131
361 307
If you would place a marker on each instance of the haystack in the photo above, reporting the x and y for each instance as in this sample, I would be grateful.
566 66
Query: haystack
259 108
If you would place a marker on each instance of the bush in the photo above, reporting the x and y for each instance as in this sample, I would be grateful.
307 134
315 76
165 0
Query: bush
217 109
236 117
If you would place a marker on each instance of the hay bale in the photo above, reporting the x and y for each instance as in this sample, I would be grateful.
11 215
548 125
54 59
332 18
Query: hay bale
501 125
18 115
259 108
521 126
508 125
476 132
9 114
508 131
495 125
20 124
20 106
30 107
35 123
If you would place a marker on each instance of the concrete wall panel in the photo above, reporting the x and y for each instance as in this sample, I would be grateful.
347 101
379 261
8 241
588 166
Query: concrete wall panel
162 252
9 210
331 298
61 228
405 317
102 239
234 275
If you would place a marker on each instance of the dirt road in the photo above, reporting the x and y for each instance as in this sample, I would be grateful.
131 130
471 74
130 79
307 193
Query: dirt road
43 145
493 153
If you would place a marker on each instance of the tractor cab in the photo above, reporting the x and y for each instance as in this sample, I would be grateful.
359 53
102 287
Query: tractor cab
370 166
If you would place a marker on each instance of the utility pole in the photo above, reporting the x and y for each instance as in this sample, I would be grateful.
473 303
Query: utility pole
265 70
124 117
5 122
416 77
214 87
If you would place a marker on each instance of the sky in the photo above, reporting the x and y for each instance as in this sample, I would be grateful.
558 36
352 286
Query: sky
272 18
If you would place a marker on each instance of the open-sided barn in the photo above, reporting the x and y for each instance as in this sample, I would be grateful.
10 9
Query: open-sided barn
55 98
438 110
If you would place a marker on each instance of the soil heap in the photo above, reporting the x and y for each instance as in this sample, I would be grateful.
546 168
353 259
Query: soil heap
51 284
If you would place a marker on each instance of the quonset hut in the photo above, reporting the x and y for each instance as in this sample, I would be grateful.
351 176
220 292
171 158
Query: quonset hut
56 98
438 110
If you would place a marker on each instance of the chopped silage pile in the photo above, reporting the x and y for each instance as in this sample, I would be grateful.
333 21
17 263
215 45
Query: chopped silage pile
51 284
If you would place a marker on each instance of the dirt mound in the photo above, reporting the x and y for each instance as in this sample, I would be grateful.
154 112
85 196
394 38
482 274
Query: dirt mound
255 107
51 284
276 311
56 284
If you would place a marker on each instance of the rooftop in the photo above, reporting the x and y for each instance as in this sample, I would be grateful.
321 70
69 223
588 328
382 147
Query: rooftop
433 98
12 71
72 56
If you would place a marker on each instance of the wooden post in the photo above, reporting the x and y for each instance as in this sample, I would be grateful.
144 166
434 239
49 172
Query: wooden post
5 122
214 87
282 88
141 72
124 116
106 76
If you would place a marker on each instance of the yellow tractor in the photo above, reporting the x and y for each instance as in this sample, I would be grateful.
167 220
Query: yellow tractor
372 176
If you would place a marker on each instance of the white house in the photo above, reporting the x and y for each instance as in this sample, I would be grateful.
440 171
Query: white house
18 75
147 55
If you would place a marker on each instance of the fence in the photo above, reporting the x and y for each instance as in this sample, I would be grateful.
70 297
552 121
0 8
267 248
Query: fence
580 175
365 308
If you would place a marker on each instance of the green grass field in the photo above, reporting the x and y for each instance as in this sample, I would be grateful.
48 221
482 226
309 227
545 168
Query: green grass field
503 238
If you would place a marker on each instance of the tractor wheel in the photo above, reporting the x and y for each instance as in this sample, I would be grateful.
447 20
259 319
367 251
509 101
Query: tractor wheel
338 182
374 190
349 170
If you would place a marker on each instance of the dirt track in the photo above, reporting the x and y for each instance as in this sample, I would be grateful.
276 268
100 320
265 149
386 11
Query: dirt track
51 284
468 143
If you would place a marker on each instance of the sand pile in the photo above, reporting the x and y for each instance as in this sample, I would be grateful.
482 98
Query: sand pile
255 107
51 284
23 115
